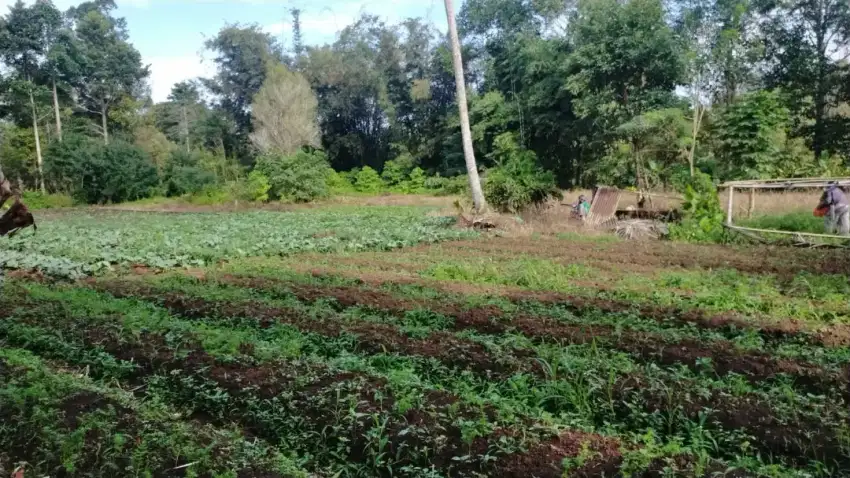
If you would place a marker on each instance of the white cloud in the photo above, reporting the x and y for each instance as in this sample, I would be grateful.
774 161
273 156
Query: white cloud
168 70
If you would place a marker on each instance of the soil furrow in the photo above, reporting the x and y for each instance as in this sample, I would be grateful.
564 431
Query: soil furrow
725 357
348 403
799 439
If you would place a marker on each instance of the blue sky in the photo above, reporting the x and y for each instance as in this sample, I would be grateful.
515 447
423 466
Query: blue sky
170 33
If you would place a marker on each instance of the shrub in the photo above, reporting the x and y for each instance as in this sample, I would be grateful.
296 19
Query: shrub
184 175
95 173
702 216
299 177
368 181
36 200
416 183
339 183
396 171
258 187
450 186
211 195
517 182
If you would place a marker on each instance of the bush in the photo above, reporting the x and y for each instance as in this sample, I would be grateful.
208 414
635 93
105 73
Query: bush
36 200
258 187
396 171
517 182
368 181
450 186
300 177
210 196
184 175
416 183
339 183
702 216
95 173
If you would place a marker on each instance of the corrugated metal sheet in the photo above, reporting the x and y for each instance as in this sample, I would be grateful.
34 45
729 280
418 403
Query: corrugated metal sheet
603 206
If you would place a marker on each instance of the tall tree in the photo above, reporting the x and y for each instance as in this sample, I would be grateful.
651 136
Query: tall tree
110 67
241 55
466 135
808 43
24 43
186 110
284 112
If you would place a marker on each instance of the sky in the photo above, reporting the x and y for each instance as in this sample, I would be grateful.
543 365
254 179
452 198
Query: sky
170 33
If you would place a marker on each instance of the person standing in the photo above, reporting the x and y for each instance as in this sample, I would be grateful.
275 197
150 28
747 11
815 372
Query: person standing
837 218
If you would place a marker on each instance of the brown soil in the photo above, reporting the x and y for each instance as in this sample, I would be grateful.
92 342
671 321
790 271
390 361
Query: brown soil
774 329
78 405
800 439
370 337
456 352
435 418
782 261
545 460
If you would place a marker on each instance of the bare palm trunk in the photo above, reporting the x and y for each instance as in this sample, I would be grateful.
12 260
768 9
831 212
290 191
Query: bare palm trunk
468 153
186 130
103 125
56 111
38 160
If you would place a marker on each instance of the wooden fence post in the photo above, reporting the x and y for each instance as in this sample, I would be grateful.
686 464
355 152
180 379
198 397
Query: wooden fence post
752 206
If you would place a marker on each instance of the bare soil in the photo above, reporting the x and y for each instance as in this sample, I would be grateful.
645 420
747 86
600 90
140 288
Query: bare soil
456 352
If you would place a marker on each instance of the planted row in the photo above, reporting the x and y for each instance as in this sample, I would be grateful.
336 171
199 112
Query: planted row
56 423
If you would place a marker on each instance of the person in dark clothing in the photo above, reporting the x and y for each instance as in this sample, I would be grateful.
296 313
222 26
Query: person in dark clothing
837 218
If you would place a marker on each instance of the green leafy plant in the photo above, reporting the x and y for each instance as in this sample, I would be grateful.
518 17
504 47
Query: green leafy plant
300 177
36 200
517 182
367 180
702 216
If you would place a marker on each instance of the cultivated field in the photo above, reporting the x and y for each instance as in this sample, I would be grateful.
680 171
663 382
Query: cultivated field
382 341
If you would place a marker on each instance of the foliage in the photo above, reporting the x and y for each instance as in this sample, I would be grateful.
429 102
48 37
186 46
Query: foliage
284 113
258 187
91 242
95 173
36 200
367 180
749 135
703 217
397 170
517 182
299 177
183 174
339 183
796 222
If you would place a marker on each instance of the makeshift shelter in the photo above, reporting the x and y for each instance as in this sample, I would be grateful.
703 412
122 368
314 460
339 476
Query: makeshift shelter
751 186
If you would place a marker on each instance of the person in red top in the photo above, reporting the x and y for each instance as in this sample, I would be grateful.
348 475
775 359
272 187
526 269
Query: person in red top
837 219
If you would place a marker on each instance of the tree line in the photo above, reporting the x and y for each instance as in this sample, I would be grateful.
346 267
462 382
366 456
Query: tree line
632 93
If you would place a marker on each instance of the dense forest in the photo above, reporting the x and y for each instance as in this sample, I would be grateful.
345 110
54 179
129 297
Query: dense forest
625 92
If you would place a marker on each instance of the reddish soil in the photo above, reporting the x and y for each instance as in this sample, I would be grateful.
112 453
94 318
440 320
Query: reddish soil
798 438
434 419
725 357
778 329
545 460
782 261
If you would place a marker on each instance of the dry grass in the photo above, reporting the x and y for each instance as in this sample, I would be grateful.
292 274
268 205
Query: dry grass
767 203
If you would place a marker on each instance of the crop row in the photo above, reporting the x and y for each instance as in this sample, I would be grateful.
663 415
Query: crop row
450 349
60 423
757 415
80 244
349 421
598 388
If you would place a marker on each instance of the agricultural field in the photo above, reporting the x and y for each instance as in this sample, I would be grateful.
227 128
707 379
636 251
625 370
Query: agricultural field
385 342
